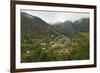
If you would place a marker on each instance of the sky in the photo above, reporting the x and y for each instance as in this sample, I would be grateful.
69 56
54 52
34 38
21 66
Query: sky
53 17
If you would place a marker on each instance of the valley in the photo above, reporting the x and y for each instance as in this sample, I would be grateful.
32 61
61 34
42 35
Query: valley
62 41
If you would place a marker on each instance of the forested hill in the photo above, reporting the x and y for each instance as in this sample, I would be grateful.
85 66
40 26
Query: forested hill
35 25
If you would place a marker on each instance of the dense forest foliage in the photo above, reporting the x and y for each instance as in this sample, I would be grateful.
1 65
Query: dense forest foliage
41 41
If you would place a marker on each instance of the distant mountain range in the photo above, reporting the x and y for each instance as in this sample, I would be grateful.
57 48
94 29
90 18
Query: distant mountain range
81 25
36 25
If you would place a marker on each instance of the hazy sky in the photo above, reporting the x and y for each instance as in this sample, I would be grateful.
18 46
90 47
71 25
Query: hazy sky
53 17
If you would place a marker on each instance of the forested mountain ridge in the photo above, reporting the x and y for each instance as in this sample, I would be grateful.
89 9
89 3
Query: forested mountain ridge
34 25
